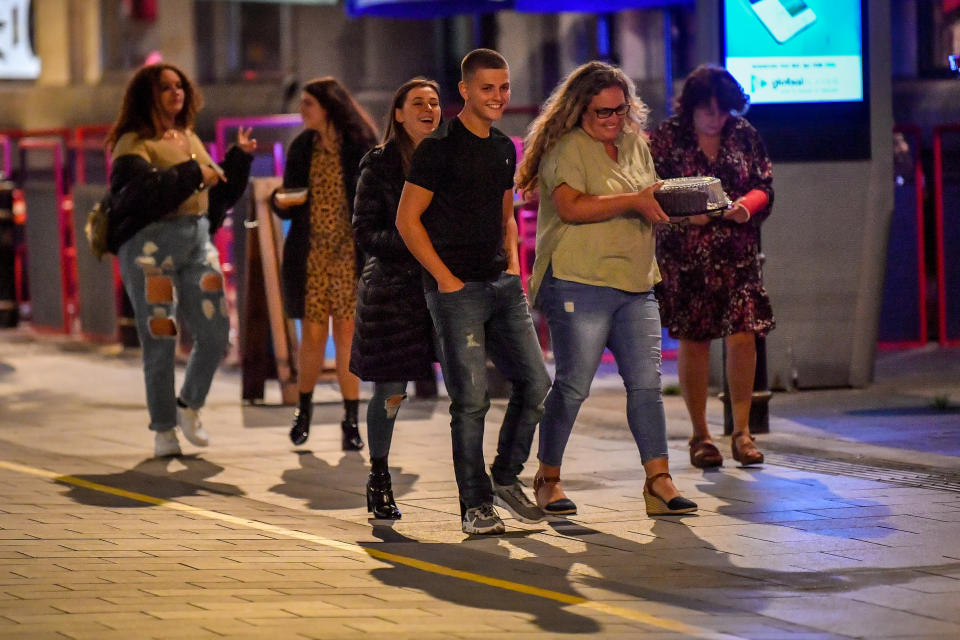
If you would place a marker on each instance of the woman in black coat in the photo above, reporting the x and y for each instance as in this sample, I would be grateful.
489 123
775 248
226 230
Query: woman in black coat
393 342
319 255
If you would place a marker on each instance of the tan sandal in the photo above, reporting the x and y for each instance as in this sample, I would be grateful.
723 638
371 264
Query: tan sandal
704 454
744 450
657 506
546 486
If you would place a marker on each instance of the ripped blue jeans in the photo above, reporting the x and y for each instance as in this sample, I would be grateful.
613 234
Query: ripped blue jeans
583 320
481 320
167 266
382 415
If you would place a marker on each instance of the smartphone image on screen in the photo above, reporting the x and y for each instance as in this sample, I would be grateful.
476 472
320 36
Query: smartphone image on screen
783 18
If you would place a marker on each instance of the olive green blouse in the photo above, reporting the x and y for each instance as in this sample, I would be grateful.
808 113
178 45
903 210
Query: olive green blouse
616 253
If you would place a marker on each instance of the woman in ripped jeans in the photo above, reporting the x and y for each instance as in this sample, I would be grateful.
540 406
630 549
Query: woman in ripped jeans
169 197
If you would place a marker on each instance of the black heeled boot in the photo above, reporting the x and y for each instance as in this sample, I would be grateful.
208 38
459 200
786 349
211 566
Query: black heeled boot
380 492
351 436
300 430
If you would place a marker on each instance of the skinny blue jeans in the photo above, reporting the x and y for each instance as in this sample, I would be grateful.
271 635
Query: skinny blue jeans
381 418
169 265
583 320
481 320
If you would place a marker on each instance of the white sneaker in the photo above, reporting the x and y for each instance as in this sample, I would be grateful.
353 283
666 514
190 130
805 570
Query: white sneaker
193 431
165 444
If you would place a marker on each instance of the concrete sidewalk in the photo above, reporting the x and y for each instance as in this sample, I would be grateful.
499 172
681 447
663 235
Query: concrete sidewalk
253 538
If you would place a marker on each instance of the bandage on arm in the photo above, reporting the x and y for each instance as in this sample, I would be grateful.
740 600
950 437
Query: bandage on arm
754 200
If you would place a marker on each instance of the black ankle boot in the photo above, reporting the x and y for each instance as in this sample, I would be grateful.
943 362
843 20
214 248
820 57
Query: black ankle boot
380 496
351 436
301 418
300 430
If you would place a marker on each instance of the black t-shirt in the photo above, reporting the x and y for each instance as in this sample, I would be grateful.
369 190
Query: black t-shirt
468 176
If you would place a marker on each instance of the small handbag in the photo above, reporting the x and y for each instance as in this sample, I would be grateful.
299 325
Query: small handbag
98 226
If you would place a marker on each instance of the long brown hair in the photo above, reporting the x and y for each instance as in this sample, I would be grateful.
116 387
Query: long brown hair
139 111
349 119
395 131
565 107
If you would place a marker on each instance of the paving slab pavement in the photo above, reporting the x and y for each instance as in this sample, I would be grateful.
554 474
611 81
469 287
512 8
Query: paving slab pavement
253 537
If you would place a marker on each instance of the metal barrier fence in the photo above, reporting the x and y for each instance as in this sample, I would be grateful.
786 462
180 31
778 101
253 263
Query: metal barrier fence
99 288
51 251
946 145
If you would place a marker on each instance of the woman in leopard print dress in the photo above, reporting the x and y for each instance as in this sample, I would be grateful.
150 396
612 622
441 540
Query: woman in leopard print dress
319 255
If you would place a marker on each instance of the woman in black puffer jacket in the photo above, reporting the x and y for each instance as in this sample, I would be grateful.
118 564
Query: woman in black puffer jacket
393 337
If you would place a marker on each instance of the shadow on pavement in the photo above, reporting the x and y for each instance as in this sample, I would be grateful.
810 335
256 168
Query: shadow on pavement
153 478
328 413
549 615
341 486
669 564
757 499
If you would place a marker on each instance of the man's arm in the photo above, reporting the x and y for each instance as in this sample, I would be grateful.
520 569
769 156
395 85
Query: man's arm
413 202
510 234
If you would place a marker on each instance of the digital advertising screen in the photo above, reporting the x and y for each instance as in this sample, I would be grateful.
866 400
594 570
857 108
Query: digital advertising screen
795 51
804 64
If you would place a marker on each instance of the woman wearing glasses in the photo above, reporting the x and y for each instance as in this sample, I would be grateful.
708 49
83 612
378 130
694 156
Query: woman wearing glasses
595 269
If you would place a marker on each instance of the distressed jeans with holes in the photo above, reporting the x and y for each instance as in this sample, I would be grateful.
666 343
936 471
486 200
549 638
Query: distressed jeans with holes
481 320
583 320
382 415
170 265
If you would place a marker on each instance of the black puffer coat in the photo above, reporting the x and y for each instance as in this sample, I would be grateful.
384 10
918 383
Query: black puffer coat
393 338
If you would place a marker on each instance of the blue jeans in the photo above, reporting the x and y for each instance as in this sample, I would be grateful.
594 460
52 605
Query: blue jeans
167 265
381 418
489 319
583 320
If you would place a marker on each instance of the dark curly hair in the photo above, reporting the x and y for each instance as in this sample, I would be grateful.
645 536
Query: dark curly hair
710 81
350 120
139 110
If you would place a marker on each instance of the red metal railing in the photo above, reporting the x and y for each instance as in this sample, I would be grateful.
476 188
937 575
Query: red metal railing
944 339
916 133
68 254
89 138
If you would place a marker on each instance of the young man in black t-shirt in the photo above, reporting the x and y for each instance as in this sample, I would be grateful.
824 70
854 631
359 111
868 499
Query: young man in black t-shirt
456 217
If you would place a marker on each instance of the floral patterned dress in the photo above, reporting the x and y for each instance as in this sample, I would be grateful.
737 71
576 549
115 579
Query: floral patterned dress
712 285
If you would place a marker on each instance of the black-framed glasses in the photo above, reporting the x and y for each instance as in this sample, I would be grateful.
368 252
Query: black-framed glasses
603 114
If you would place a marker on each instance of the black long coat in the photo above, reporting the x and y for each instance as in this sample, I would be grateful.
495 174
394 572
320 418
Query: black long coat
393 337
296 175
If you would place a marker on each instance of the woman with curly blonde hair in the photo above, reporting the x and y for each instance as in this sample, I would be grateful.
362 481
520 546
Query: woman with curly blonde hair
595 269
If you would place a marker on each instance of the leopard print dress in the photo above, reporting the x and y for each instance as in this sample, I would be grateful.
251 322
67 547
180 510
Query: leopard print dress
331 262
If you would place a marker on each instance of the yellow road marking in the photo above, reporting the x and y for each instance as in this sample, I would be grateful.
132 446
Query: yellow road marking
430 567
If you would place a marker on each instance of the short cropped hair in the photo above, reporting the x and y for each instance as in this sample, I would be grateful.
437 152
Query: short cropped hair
481 59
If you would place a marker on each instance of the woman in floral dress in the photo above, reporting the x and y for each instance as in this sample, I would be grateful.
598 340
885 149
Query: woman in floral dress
712 285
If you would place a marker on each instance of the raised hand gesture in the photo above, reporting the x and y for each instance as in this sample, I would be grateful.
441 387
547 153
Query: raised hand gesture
244 141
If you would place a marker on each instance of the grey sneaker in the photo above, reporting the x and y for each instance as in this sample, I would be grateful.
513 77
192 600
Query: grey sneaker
165 444
193 430
512 498
482 520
